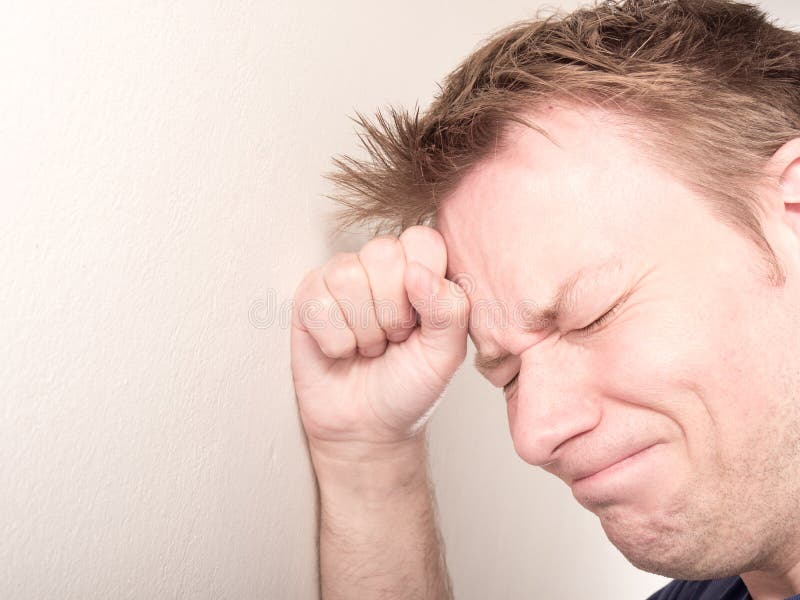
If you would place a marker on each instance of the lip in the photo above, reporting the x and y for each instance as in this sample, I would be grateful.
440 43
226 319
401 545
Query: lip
615 467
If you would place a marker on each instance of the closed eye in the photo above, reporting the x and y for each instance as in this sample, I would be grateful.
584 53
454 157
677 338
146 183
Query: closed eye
591 327
599 321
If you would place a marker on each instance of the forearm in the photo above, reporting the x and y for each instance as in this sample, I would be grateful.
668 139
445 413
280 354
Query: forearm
378 532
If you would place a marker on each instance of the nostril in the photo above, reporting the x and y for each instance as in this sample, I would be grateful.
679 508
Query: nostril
540 430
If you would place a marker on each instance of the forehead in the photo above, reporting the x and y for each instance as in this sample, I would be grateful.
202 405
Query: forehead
537 211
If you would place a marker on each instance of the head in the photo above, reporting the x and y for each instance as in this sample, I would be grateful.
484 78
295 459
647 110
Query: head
649 154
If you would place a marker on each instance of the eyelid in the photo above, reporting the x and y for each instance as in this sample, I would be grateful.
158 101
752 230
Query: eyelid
603 319
591 327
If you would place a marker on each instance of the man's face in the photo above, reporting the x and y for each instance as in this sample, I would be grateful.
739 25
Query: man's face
698 363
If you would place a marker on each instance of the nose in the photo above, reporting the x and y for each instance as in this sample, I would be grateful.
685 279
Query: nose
554 402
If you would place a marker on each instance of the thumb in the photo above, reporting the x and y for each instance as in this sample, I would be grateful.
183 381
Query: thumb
443 309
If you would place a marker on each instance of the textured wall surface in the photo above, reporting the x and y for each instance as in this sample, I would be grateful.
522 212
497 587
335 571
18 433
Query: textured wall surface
160 165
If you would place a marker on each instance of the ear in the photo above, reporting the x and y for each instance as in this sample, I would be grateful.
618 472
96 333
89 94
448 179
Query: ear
790 190
785 166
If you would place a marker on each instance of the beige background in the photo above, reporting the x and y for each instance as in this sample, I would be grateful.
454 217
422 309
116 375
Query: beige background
160 165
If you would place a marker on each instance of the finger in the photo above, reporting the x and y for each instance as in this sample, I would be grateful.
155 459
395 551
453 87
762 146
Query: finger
443 310
347 282
426 246
384 261
316 313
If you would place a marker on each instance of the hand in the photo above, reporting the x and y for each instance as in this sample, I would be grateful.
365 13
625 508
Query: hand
368 378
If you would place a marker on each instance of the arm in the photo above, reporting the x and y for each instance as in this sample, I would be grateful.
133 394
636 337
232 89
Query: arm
366 383
378 531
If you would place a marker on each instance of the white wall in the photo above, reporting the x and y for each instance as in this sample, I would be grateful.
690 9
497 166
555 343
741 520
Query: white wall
161 194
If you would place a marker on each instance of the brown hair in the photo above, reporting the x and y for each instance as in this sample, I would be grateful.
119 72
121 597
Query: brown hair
712 86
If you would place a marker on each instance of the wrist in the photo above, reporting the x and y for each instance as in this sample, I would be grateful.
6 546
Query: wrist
370 471
359 452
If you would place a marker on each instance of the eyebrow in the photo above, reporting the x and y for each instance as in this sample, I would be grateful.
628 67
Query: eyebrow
564 301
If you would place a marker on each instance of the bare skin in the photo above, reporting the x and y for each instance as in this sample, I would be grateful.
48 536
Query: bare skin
697 364
367 378
699 360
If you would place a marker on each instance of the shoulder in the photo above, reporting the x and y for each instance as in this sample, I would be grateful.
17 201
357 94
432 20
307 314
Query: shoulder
728 588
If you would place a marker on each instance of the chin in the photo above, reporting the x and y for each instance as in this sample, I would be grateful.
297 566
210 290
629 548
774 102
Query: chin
663 543
672 545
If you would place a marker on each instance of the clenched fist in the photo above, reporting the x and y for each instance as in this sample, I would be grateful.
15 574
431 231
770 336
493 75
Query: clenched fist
376 337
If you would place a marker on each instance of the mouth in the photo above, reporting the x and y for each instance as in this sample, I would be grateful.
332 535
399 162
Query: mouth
614 475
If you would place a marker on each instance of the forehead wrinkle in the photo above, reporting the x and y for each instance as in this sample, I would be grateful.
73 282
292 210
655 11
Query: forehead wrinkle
564 302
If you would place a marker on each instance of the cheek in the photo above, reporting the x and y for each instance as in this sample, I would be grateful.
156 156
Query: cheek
689 358
664 357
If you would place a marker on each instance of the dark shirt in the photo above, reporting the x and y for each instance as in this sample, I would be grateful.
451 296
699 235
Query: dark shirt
729 588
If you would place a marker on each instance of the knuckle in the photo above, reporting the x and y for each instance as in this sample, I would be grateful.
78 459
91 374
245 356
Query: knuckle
313 313
337 348
395 316
426 245
343 270
398 334
381 249
423 233
373 349
399 320
328 308
373 337
396 324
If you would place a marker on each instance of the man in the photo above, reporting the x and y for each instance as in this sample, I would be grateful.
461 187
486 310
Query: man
625 183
